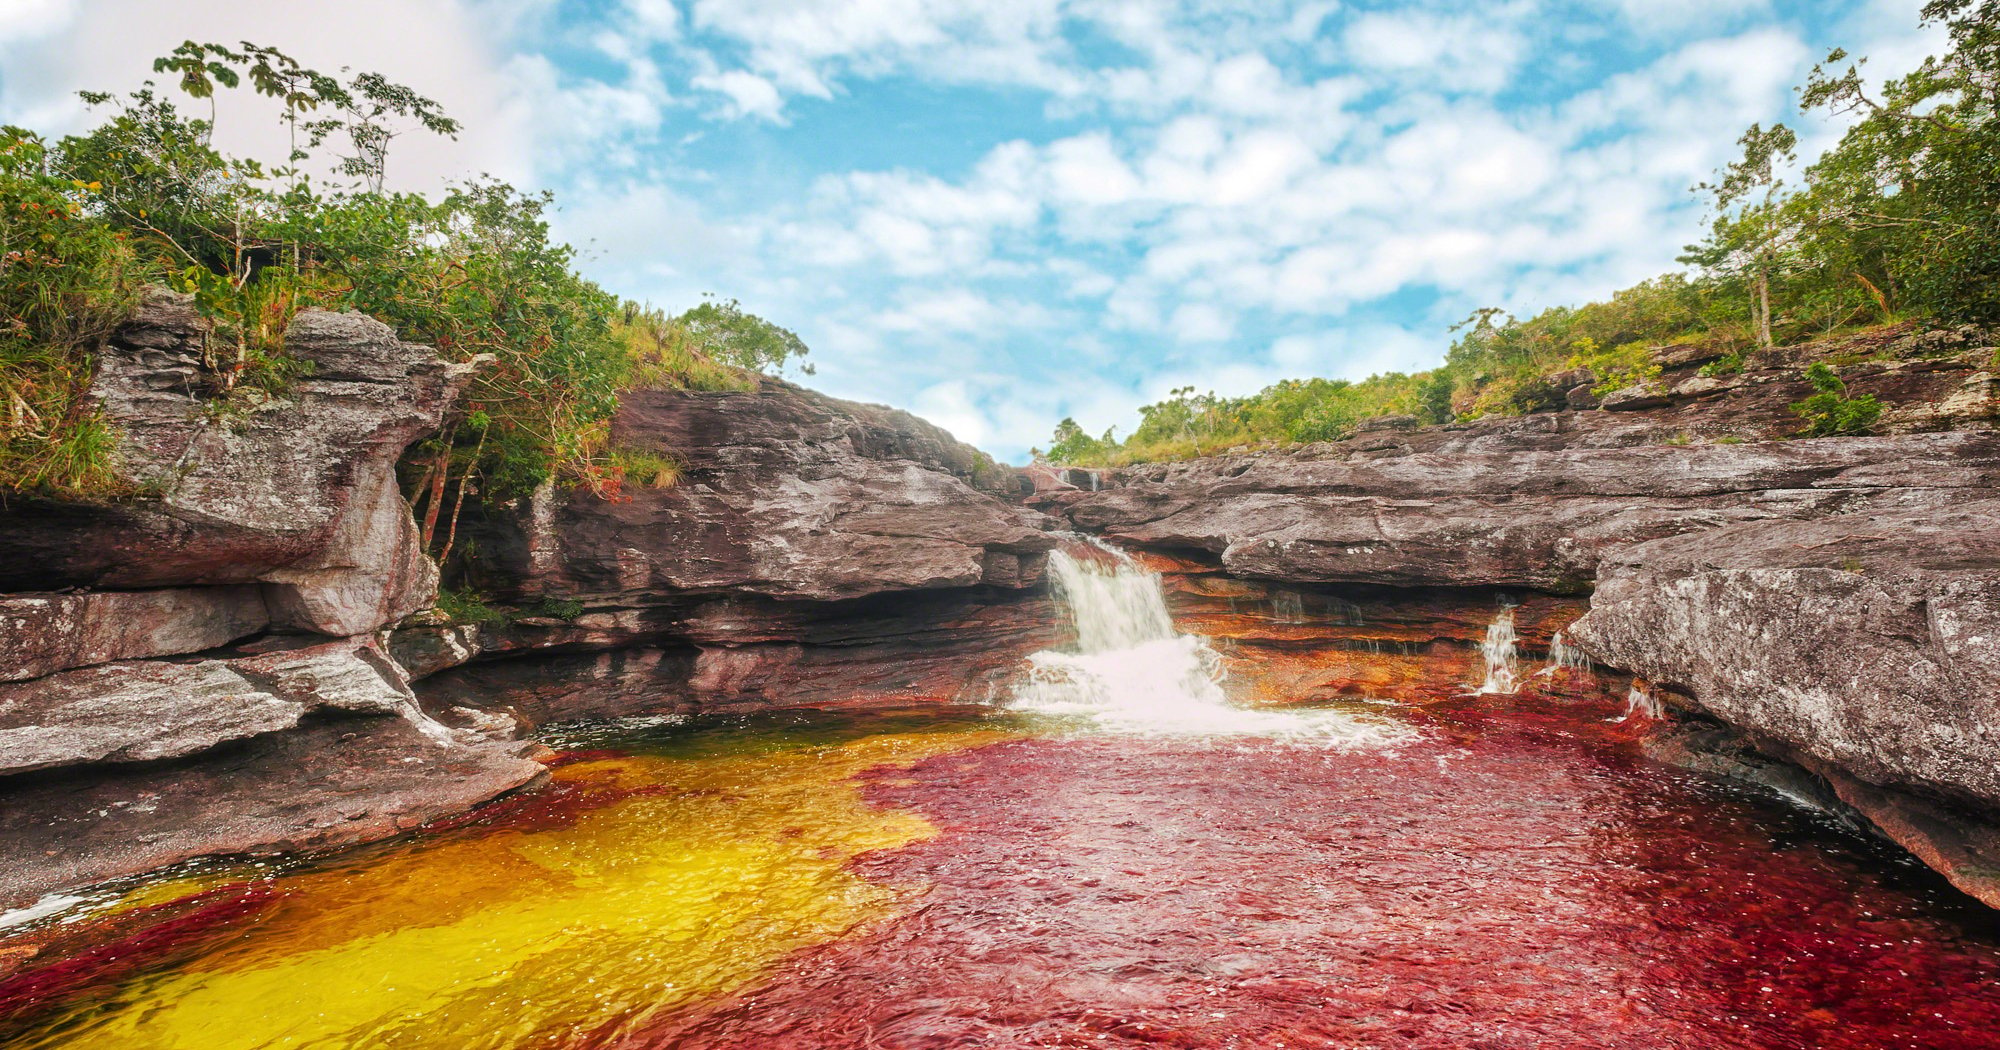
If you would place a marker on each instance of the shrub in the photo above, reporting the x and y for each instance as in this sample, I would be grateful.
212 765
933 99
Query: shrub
1829 411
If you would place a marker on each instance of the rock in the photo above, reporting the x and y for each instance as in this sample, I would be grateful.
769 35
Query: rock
132 712
784 493
1867 641
371 571
328 783
1687 355
152 717
1519 518
1634 398
230 497
1396 423
748 653
147 710
1698 386
44 633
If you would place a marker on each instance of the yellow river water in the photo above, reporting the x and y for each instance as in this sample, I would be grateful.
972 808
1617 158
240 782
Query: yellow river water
494 936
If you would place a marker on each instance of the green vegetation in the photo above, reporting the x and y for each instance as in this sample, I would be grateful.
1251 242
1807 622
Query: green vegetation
1829 410
467 607
1896 222
145 198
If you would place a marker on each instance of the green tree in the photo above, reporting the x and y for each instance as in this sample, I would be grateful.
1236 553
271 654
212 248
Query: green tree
726 332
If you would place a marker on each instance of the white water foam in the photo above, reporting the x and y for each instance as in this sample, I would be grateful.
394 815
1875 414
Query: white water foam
1133 673
1501 650
1565 660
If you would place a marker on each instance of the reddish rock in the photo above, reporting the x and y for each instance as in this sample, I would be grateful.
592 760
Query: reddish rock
44 633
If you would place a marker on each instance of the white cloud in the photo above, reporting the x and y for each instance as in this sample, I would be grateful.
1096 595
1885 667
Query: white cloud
748 94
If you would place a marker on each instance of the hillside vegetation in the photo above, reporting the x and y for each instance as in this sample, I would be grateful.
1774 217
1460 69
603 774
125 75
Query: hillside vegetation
145 198
1899 221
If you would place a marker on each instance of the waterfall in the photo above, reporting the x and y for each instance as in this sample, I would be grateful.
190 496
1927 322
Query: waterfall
1642 705
1133 672
1564 659
1501 650
1288 607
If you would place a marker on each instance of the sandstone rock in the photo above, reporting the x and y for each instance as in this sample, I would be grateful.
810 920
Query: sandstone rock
1523 518
1634 398
131 712
44 633
146 710
229 498
783 492
325 784
1868 641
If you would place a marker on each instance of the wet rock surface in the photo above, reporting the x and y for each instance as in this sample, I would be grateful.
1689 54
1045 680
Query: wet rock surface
330 782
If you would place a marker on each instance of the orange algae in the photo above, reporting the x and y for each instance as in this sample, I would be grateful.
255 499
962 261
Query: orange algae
702 874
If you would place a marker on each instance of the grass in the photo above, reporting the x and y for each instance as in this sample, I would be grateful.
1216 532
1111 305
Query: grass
467 607
643 467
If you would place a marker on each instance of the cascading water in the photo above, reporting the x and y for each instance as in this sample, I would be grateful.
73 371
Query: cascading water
1501 650
1564 659
1132 672
1642 705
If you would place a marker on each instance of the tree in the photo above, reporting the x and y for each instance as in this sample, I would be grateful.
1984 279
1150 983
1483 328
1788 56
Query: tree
728 333
1829 411
1752 227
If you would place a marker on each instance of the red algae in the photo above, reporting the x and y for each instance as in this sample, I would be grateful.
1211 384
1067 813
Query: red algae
1518 877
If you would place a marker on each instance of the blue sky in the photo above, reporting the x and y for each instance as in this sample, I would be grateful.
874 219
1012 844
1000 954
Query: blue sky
998 214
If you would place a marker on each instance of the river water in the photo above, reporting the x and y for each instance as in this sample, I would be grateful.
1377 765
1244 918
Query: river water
1115 856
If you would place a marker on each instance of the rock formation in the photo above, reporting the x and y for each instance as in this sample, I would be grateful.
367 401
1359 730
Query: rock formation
812 549
221 659
166 656
1835 601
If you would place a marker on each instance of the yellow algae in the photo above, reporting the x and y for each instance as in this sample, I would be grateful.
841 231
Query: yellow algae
525 938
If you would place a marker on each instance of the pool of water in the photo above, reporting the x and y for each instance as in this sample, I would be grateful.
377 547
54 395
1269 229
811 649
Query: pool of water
1122 854
1506 872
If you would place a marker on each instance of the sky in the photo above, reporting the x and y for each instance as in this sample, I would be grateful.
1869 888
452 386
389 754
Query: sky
998 213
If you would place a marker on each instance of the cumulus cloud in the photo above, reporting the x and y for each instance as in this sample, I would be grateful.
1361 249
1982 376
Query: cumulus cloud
1095 200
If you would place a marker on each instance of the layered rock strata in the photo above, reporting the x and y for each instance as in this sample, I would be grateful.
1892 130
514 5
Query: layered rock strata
812 550
199 665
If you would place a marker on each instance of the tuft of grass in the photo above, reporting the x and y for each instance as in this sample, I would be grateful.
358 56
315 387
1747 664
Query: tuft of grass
637 466
468 607
557 608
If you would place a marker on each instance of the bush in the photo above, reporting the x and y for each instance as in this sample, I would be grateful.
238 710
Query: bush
1829 411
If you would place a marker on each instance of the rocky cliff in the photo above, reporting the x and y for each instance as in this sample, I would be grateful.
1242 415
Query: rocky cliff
812 550
220 658
198 665
1835 601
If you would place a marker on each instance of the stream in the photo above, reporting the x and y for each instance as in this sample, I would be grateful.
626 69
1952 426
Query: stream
1114 855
